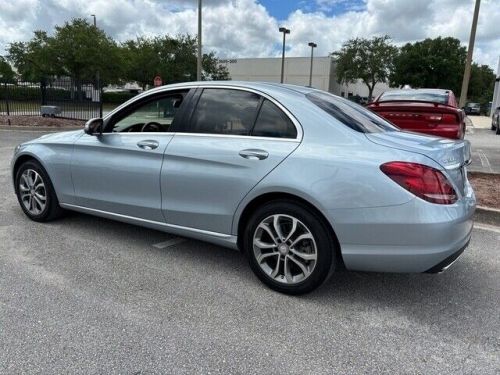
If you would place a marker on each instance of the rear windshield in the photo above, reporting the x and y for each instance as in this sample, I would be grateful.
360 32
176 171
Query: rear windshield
435 97
350 114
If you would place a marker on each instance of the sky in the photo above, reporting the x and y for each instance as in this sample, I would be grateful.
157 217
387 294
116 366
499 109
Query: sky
249 28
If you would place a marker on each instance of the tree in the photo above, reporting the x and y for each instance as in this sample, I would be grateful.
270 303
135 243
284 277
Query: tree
6 72
82 50
370 60
481 83
35 59
212 70
77 49
431 63
174 59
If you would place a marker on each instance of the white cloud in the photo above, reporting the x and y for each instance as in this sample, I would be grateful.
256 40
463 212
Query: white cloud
244 28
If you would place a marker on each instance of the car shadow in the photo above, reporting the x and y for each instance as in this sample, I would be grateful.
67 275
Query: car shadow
440 301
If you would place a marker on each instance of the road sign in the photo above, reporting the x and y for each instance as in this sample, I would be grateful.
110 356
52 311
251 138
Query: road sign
157 81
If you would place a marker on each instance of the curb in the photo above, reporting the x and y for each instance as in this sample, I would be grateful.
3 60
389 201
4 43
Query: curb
487 215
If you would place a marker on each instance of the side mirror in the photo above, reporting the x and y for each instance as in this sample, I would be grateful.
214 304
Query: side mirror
93 126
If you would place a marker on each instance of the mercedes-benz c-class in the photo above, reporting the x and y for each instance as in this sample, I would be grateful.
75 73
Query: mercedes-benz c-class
302 181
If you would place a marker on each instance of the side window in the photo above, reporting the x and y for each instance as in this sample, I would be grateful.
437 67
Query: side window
225 111
272 122
152 116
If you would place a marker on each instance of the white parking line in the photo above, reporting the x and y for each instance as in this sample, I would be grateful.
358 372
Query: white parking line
484 160
171 242
487 227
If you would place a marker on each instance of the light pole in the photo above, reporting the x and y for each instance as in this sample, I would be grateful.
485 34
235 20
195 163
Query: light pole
285 31
313 46
468 62
198 65
95 23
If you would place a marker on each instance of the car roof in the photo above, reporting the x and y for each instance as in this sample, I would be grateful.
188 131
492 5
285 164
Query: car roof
284 94
266 87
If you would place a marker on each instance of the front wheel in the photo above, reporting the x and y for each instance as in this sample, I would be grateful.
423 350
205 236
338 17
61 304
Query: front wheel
289 247
35 192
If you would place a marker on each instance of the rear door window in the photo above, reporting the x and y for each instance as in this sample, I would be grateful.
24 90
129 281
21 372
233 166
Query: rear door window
273 122
225 111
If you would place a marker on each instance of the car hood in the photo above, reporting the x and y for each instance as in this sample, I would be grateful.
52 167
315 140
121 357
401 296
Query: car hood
60 137
450 154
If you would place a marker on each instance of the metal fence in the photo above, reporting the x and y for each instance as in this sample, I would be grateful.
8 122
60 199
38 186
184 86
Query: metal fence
68 98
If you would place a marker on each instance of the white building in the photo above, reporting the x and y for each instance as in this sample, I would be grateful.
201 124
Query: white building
297 72
496 93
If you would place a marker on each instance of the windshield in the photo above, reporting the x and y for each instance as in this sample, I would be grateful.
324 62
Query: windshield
423 96
350 114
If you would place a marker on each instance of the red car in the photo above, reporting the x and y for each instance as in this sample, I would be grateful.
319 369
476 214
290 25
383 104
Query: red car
429 111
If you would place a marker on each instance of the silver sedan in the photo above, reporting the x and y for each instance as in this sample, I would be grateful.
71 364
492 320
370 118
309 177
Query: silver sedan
302 181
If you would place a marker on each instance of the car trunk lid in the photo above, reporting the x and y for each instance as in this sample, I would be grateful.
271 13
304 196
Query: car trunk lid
415 115
451 155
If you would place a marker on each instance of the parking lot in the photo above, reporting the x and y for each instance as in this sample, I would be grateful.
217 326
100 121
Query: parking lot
486 146
89 295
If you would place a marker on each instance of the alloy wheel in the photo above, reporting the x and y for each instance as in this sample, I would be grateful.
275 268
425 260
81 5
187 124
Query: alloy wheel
285 249
32 192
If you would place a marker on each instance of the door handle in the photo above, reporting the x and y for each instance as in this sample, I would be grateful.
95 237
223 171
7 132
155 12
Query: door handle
147 145
254 154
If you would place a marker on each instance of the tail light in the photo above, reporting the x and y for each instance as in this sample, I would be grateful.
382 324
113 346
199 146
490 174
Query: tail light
425 182
449 118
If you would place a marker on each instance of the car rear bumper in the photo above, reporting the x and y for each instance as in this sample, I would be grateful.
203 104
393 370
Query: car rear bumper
445 264
413 237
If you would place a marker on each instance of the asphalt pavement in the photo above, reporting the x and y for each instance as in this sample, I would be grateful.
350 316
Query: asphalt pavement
88 295
485 145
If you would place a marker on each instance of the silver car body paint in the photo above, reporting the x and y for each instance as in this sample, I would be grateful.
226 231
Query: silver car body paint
197 185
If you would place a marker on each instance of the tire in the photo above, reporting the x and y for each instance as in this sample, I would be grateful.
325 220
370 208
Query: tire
316 245
27 183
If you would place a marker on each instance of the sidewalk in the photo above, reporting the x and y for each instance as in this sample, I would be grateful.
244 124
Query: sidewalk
480 122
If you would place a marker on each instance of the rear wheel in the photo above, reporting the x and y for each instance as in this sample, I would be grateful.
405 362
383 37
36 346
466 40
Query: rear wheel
288 247
35 192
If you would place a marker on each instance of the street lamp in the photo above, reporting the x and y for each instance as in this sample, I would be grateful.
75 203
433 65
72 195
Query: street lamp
285 31
313 46
95 23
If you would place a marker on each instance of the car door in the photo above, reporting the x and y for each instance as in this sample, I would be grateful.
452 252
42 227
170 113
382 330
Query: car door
119 171
234 139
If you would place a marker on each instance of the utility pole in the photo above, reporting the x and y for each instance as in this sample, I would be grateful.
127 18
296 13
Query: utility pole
95 23
285 31
312 45
198 67
468 62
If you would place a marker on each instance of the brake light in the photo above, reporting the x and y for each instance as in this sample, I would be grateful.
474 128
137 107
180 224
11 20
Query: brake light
449 118
425 182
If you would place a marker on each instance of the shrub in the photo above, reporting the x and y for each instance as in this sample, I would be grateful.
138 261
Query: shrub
116 97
